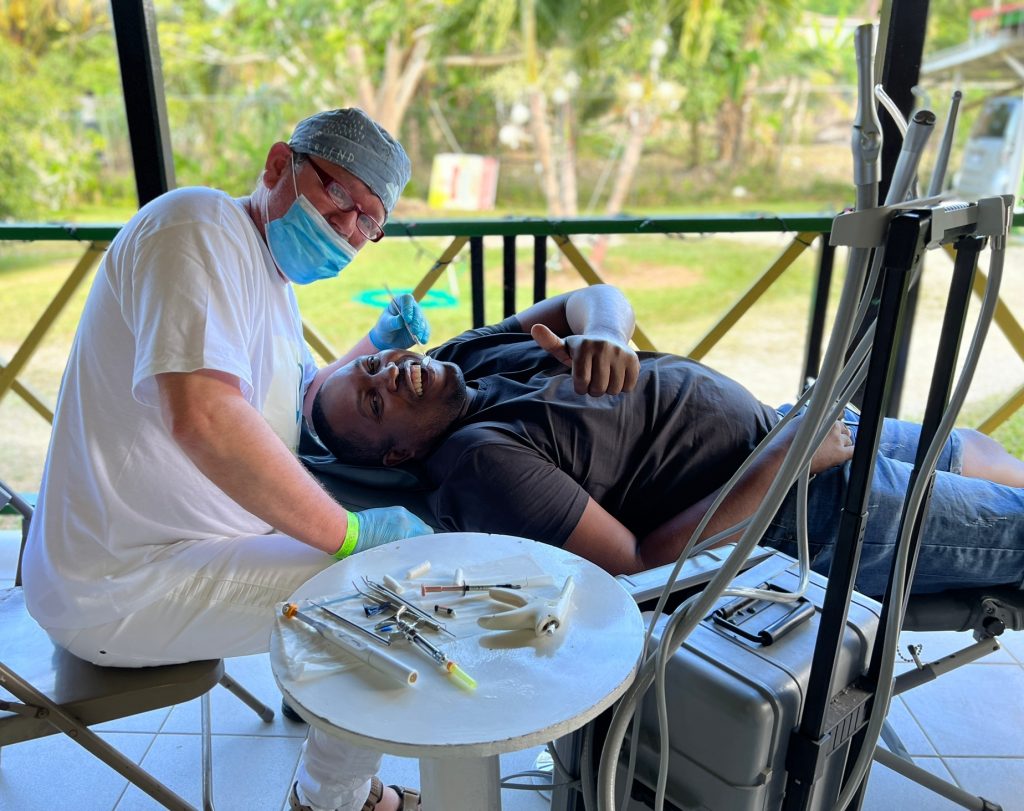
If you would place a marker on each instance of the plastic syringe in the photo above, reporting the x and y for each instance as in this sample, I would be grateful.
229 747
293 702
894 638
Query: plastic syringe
363 651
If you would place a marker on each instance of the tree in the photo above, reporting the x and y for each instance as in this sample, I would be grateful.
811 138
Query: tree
51 54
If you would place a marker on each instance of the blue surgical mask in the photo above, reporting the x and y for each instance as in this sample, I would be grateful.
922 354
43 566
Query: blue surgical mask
304 245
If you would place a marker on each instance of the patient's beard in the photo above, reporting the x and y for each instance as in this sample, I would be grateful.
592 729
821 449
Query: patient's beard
445 412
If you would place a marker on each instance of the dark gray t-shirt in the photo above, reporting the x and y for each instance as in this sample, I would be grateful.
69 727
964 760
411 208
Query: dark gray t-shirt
531 451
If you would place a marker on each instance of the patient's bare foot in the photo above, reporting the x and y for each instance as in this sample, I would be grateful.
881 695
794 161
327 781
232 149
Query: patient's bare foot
393 801
389 802
985 458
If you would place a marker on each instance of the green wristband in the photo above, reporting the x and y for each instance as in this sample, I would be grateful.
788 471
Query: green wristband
348 545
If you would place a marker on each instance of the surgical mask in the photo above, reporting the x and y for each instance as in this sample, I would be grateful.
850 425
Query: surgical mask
304 245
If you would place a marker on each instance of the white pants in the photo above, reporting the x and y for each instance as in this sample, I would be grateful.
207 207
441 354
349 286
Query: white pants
227 609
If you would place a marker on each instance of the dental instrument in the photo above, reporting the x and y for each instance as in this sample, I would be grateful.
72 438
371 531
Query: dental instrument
543 615
380 593
513 583
405 323
425 590
378 660
408 630
354 625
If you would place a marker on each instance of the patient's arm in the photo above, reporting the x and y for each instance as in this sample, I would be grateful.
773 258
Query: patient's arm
601 538
588 330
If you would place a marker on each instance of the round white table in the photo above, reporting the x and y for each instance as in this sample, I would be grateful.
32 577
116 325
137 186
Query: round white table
530 690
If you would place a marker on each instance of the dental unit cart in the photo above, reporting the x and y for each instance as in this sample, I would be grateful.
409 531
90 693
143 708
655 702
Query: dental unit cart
738 685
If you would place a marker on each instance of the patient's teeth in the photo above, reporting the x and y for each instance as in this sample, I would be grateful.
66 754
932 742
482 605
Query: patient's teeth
416 378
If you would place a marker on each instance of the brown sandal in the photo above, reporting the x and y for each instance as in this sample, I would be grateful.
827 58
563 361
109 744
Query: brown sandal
408 797
376 794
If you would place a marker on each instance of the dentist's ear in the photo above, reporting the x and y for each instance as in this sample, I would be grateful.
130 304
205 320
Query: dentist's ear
278 161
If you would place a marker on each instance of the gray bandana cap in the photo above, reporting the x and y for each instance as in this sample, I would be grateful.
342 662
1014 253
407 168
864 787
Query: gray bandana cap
349 138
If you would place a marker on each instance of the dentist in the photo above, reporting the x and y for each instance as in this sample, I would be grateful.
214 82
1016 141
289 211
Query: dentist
173 514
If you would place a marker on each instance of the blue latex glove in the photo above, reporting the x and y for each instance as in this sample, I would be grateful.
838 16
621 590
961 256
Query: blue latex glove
401 320
386 524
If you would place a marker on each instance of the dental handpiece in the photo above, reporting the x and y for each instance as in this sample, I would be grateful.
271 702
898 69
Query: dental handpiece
946 145
920 128
867 129
362 651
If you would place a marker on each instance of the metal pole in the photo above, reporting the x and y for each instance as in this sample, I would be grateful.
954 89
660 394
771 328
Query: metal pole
901 49
812 742
819 306
540 268
476 279
143 85
509 274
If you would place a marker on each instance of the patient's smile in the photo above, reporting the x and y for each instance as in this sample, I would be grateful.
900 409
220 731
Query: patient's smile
415 374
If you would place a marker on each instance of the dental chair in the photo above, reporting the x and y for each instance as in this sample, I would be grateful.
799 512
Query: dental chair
986 613
45 690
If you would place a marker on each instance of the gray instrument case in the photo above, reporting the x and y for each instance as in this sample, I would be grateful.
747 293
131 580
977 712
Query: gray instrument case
735 691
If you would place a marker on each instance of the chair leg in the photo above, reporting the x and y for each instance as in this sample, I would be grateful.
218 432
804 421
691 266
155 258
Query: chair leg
933 783
261 709
204 704
893 741
90 741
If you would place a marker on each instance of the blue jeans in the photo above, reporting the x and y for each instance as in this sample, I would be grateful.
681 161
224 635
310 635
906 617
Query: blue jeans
973 532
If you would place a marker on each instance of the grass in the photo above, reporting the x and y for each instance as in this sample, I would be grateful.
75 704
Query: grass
679 287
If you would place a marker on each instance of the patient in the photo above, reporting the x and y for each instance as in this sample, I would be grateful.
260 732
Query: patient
549 426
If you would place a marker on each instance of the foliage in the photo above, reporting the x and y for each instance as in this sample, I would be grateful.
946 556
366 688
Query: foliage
47 155
719 83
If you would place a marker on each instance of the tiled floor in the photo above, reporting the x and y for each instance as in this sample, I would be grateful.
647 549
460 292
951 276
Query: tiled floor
968 726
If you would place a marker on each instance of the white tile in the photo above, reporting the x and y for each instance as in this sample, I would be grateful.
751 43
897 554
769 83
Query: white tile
405 772
908 730
54 772
975 710
400 771
248 772
151 721
1013 642
996 779
517 799
888 790
229 714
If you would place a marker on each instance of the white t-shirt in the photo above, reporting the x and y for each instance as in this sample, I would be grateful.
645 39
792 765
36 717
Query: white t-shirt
124 515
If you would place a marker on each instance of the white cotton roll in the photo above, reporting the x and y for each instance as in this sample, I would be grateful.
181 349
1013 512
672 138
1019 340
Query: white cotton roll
393 584
418 571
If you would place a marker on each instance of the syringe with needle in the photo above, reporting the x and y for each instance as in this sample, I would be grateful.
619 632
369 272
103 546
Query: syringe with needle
514 583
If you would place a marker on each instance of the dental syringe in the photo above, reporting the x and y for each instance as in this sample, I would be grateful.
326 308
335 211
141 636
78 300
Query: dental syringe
424 645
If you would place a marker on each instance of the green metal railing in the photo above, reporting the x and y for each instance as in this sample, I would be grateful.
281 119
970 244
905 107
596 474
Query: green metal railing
806 229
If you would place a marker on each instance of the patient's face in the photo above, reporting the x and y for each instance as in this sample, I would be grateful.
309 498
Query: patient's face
397 398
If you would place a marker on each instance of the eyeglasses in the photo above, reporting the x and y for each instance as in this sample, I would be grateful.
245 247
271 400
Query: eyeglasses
367 225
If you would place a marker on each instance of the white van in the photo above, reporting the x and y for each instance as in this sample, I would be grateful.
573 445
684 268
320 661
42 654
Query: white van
994 154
